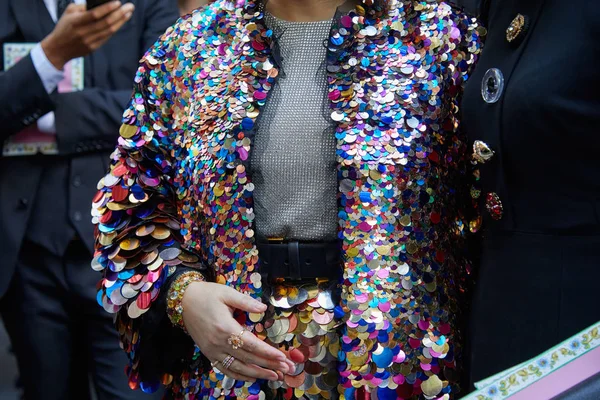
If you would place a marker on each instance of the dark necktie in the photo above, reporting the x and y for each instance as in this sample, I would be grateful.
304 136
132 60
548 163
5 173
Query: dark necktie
61 6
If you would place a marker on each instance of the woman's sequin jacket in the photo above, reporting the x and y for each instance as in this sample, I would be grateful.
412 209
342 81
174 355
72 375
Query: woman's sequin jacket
178 195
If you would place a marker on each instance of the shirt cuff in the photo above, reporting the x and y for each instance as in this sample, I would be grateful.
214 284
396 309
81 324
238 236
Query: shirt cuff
46 124
47 72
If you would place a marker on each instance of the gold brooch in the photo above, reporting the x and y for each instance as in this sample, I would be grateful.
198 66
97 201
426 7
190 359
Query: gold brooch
516 28
482 152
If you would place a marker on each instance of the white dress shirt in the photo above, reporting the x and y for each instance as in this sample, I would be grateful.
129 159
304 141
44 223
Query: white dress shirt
49 75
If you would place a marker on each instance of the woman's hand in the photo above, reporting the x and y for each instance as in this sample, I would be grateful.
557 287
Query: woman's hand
208 317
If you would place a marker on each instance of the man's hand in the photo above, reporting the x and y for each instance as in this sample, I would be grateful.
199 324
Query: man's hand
79 32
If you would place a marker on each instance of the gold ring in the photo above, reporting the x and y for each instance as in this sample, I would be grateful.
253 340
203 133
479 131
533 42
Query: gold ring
228 361
236 341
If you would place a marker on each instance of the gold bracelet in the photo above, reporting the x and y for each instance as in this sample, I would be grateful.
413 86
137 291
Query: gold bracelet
175 296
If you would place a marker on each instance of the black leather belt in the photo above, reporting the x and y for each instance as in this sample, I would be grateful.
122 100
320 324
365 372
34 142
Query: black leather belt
297 260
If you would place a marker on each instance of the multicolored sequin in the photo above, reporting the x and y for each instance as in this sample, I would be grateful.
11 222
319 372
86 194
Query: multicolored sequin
300 321
178 193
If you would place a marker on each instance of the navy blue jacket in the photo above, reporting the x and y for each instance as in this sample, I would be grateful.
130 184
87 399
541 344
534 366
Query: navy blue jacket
87 122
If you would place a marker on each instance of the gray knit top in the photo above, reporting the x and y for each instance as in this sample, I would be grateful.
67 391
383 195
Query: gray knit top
293 158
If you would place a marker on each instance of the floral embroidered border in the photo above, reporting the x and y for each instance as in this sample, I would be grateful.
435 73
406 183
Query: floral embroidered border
505 384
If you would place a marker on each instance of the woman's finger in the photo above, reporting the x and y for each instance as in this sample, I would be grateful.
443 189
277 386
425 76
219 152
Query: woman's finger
256 346
217 364
243 302
253 371
268 363
256 351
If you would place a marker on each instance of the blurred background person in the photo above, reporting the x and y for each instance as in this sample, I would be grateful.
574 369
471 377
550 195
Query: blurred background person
187 6
47 290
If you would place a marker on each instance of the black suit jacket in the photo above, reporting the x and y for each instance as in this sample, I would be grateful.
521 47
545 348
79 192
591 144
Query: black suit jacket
87 122
538 277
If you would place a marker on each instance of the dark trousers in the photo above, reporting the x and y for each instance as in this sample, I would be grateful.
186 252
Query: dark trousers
59 334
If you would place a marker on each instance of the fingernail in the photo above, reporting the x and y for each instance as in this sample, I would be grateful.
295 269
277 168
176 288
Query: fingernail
128 15
116 4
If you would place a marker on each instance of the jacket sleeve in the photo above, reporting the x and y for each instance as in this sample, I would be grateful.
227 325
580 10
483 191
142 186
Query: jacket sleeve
87 120
23 98
139 248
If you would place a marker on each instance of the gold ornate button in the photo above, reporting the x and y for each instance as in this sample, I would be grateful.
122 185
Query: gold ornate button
516 29
482 152
493 204
475 225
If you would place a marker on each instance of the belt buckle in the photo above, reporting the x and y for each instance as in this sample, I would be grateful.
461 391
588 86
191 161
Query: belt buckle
293 257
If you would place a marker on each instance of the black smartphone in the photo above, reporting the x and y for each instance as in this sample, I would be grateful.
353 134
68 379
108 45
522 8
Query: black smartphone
95 3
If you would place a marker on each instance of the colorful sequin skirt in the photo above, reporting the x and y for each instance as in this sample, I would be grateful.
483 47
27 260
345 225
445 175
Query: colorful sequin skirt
300 316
